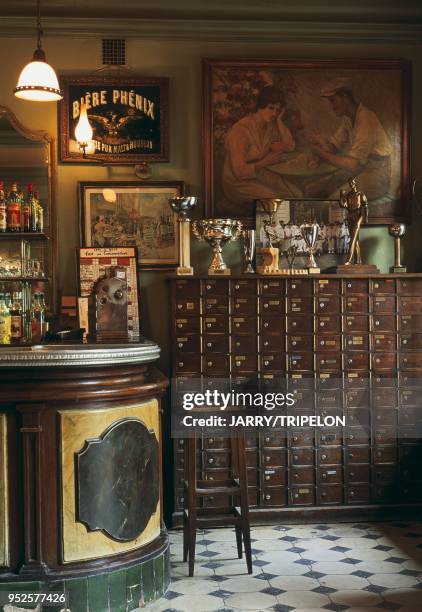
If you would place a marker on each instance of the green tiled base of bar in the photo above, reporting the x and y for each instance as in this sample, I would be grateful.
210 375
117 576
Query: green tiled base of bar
120 590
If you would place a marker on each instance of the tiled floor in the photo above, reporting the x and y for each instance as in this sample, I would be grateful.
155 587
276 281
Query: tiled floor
340 566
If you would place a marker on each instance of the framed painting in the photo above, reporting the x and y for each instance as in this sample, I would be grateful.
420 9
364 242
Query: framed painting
303 128
333 234
129 118
134 213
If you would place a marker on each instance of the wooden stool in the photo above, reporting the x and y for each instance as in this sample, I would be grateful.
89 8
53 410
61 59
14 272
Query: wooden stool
237 515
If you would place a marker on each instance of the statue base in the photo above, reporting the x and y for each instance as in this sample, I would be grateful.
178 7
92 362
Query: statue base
184 271
282 271
357 269
217 272
270 257
314 270
398 269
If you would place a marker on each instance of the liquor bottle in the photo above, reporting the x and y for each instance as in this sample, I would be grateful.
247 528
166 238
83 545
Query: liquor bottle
36 318
5 321
26 209
13 210
42 310
39 214
16 318
3 214
34 211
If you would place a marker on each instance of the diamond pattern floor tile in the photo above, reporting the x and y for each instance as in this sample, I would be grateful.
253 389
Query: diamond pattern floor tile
355 567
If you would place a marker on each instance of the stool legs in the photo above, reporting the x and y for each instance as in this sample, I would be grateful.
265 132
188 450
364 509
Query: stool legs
240 473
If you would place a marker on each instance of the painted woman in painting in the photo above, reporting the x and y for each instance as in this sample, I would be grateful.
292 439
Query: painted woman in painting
253 144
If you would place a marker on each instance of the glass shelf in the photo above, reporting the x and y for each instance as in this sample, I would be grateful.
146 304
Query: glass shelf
24 235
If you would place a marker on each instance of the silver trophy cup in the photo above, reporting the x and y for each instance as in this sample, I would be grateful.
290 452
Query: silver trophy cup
310 232
248 243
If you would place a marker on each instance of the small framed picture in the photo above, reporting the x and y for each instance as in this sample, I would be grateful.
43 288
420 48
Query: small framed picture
333 235
117 214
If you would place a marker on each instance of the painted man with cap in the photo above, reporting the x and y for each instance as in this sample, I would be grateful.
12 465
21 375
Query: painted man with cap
359 147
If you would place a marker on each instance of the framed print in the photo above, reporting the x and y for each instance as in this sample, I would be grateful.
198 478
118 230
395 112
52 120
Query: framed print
118 266
333 235
116 214
301 129
129 118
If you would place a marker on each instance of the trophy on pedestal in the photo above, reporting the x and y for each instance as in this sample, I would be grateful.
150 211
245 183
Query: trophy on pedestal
310 232
217 232
182 205
397 231
248 243
270 255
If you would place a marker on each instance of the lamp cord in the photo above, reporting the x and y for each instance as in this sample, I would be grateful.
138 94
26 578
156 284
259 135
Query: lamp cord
39 28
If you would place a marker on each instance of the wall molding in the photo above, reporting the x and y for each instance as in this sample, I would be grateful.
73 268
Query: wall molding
217 30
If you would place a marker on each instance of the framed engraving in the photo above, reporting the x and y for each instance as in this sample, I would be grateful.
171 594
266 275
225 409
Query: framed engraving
302 128
129 117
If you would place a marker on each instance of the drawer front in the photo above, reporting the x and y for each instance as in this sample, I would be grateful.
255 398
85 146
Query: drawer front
272 362
243 325
328 324
244 287
329 438
216 286
410 360
409 397
300 361
358 494
331 494
271 457
358 417
274 496
273 342
385 454
330 475
358 454
216 459
385 474
358 379
357 473
277 438
272 305
188 344
328 343
357 398
357 435
300 305
274 476
302 496
385 417
188 325
216 343
330 456
272 287
384 323
301 437
252 458
188 363
384 361
269 325
216 500
299 287
330 398
410 286
355 286
302 456
411 342
356 361
187 306
356 323
410 415
245 305
300 343
244 363
384 494
329 304
216 442
218 304
410 323
214 364
384 397
384 434
384 285
300 323
384 342
356 304
244 344
216 324
356 342
383 303
327 362
328 286
186 288
302 475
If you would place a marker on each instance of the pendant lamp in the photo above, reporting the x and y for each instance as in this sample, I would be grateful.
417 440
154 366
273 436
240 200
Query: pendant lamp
38 80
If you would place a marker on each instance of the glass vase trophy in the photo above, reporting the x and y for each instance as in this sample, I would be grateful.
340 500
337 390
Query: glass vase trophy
310 233
397 231
182 206
217 232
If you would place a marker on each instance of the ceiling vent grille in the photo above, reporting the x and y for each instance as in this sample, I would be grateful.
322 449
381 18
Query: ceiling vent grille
114 51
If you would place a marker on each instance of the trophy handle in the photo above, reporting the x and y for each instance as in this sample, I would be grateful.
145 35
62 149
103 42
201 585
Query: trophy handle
195 231
236 231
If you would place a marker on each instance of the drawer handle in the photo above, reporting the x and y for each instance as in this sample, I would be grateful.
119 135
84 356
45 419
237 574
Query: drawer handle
266 343
180 306
210 460
209 363
208 287
267 477
323 494
352 493
323 438
182 460
265 286
211 440
293 286
322 324
378 417
237 324
266 324
267 459
324 476
209 325
322 361
237 286
295 476
349 285
266 363
323 457
265 305
181 364
181 442
267 439
352 474
238 364
351 437
404 341
349 323
294 324
322 305
294 362
268 497
295 457
350 342
377 341
377 360
350 304
322 343
237 306
180 345
295 438
294 343
405 360
209 306
209 344
180 325
379 454
377 323
376 285
350 361
211 498
237 343
351 455
296 495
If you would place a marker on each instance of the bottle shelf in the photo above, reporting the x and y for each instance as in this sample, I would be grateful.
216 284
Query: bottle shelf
14 279
24 235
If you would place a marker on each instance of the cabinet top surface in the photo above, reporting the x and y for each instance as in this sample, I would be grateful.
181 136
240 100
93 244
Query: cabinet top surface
69 355
293 277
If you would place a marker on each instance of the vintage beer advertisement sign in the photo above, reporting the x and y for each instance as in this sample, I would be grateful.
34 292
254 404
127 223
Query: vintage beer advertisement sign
129 118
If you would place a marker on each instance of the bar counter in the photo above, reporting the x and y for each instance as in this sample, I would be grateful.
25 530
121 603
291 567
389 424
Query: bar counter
80 474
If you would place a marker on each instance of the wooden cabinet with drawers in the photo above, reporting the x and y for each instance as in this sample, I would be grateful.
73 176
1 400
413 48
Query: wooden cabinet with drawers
347 346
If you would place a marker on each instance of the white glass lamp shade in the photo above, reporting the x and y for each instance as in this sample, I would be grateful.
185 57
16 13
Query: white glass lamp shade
38 81
83 129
